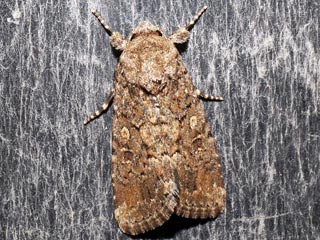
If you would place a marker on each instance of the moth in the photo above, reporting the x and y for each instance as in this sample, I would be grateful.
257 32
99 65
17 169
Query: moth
164 158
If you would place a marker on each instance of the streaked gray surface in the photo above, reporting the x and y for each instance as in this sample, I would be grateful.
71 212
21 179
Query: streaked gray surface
56 67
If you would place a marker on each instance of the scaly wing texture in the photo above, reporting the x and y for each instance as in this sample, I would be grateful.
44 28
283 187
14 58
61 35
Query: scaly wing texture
200 181
201 188
164 158
144 185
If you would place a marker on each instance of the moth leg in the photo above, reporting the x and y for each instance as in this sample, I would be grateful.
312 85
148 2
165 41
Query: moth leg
101 110
182 34
200 94
117 40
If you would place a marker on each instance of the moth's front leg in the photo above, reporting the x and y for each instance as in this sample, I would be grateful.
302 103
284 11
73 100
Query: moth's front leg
102 109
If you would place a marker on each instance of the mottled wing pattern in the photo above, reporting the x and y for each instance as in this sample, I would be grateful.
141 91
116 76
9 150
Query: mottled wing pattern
200 181
164 158
201 187
143 170
143 182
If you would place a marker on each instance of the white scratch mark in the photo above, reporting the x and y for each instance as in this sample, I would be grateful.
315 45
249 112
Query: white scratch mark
16 15
259 218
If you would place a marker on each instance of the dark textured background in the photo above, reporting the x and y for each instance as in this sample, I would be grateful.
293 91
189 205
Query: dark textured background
56 67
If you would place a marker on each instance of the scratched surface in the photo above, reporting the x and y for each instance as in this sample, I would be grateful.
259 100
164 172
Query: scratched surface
56 67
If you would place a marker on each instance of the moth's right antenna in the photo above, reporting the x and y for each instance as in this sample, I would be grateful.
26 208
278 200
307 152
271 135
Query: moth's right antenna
182 34
196 18
117 40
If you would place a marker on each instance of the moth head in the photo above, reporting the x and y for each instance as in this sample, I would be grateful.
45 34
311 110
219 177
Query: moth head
145 28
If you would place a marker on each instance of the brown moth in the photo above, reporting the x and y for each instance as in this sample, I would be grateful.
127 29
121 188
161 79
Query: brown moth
164 158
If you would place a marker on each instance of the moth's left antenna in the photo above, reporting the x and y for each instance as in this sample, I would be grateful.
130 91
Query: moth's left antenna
117 40
102 21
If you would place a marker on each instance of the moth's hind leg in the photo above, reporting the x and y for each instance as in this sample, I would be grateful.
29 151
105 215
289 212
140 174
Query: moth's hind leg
200 94
101 110
182 34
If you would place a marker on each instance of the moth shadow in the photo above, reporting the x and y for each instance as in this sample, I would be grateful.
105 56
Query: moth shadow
182 47
116 53
171 227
